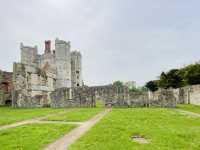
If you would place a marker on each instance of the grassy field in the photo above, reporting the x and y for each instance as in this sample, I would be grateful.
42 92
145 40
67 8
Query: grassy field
31 137
9 115
192 108
76 114
165 129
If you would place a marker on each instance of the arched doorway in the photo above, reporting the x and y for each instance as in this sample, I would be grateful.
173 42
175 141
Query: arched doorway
8 102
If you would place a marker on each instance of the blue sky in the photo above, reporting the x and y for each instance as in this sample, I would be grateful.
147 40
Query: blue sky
119 39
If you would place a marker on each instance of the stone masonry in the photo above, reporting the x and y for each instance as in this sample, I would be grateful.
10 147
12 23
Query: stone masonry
37 76
111 96
54 79
5 88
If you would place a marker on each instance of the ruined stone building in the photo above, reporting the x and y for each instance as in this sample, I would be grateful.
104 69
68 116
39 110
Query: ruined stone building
54 79
36 76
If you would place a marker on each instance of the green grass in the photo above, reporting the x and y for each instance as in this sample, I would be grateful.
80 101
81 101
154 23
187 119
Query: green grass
166 129
100 103
190 107
31 137
10 115
77 114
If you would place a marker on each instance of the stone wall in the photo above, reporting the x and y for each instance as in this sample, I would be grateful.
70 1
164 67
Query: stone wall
188 95
86 97
73 97
5 88
162 98
31 86
110 95
120 97
76 69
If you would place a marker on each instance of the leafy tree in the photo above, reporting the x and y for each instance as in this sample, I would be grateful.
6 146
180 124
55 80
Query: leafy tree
192 74
163 82
152 85
174 79
118 84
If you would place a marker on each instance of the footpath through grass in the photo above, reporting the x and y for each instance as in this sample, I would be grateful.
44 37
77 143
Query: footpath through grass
189 107
76 114
31 137
165 129
10 115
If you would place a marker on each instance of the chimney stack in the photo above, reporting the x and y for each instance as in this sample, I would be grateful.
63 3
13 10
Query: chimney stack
47 46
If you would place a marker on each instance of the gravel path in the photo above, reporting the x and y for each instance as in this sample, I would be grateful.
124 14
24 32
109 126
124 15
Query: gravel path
189 113
29 121
71 137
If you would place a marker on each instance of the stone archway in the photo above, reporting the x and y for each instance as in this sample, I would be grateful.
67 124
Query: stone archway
8 102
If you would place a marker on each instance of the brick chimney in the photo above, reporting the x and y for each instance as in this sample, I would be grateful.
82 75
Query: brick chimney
47 46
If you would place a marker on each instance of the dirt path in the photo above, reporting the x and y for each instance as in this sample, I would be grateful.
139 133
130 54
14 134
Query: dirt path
65 141
29 121
184 112
60 122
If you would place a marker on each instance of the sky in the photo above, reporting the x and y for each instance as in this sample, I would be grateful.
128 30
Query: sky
127 40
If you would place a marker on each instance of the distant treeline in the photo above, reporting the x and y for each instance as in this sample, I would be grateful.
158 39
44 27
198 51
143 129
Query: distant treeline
176 78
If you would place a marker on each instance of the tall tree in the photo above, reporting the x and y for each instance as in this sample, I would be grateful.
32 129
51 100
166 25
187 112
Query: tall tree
152 85
118 84
192 74
163 82
174 79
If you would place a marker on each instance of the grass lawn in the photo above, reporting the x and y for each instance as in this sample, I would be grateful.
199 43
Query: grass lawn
77 114
9 115
165 129
190 107
31 137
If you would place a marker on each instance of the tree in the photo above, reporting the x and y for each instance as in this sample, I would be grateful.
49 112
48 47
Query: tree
163 82
174 79
192 74
118 84
152 85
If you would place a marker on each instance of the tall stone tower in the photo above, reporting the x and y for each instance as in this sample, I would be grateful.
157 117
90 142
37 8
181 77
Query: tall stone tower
76 69
28 55
63 63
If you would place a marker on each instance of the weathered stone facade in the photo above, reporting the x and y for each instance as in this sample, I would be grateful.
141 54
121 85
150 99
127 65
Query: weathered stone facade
115 96
188 94
55 79
111 96
5 88
76 69
36 76
73 97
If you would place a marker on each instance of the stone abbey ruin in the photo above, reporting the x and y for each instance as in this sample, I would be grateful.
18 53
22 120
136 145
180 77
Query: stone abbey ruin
54 79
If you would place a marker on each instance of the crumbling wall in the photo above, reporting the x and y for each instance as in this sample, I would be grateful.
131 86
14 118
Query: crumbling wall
5 88
189 95
30 89
73 97
121 96
163 98
194 94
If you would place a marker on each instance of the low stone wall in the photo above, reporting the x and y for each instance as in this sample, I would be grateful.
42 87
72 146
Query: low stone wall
73 97
188 95
19 99
86 97
163 98
123 97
